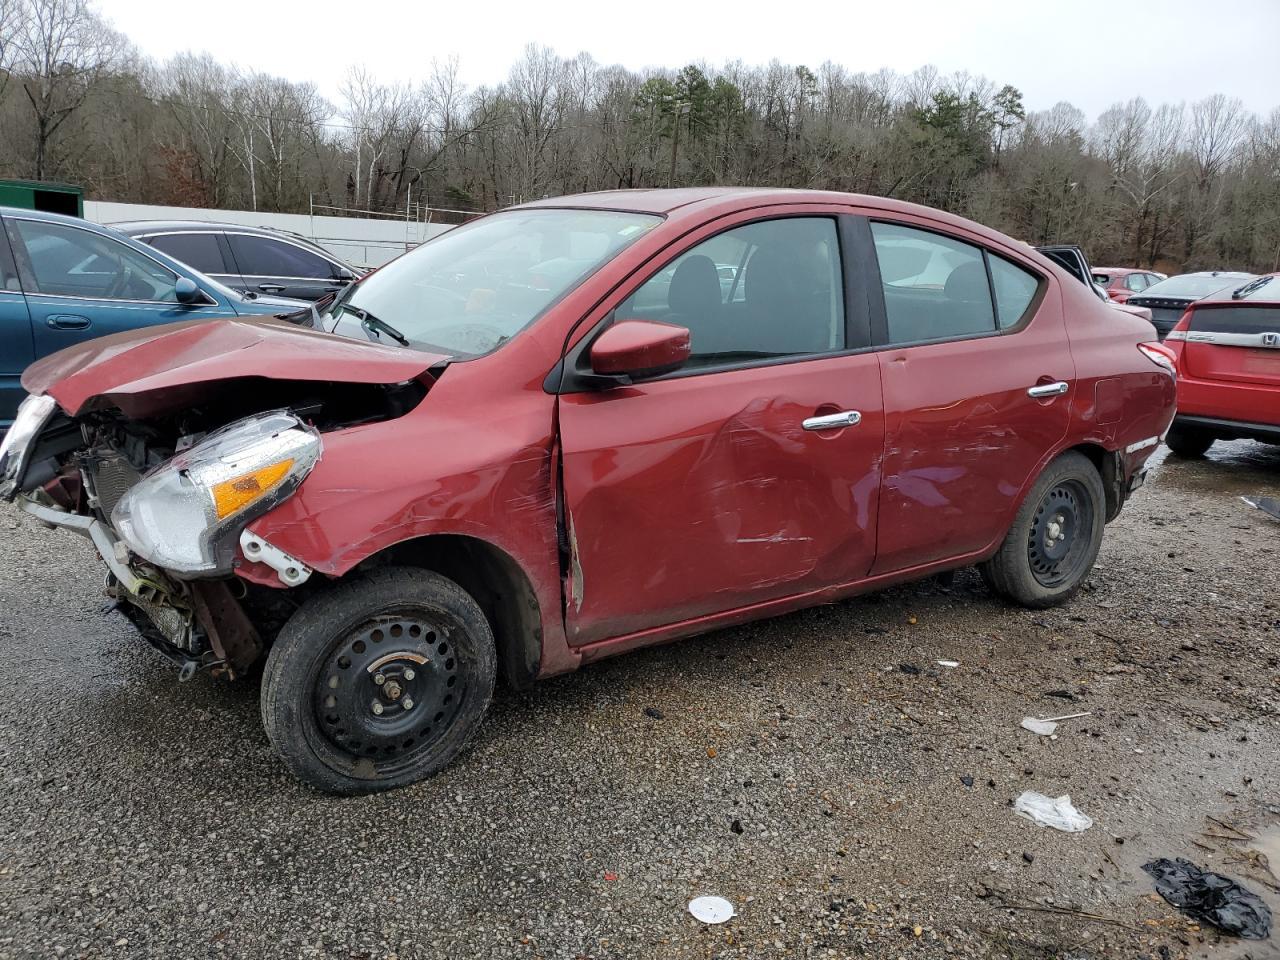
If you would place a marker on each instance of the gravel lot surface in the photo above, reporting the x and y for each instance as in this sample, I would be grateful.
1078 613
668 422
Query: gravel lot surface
850 796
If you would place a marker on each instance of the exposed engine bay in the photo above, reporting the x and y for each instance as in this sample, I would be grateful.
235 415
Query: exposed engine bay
80 470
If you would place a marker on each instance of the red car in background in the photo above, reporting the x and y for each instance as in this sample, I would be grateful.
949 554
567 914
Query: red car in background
1120 283
566 430
1228 357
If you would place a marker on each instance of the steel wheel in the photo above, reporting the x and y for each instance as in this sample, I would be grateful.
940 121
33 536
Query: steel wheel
389 689
1055 548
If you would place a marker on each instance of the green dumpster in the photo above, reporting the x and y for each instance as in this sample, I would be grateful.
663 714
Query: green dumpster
42 195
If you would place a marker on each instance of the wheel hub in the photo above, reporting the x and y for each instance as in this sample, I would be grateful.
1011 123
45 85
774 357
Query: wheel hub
389 688
1059 533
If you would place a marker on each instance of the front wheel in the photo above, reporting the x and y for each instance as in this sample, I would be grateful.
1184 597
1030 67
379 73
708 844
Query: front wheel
378 682
1054 540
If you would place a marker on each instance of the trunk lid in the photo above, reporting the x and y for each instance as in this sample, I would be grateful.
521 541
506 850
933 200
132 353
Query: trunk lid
159 368
1237 342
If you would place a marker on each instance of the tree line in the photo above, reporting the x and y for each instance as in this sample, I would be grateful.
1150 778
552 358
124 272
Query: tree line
1174 186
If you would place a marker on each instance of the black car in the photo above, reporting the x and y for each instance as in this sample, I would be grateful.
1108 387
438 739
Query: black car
253 260
1168 300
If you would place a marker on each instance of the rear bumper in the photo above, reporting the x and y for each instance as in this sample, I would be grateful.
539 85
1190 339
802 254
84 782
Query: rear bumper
1231 429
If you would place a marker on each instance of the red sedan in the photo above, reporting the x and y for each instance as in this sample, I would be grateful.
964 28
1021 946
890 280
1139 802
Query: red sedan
1121 283
583 426
1228 350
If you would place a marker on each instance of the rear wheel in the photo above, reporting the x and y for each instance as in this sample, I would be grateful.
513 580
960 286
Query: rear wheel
379 682
1190 443
1054 540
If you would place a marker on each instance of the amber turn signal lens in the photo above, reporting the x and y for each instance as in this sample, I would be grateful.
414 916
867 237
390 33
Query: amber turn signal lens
231 495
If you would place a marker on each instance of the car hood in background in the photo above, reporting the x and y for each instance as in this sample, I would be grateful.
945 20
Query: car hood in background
160 368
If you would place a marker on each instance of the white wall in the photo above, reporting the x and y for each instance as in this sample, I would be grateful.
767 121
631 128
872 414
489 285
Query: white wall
362 243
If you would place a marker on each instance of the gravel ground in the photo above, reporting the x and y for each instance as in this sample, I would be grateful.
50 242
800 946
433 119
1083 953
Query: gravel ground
849 795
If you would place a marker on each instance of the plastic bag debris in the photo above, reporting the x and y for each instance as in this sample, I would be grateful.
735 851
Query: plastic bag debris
1056 812
1268 505
711 909
1042 727
1211 898
1047 725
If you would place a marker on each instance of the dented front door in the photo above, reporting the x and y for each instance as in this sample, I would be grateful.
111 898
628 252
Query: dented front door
696 495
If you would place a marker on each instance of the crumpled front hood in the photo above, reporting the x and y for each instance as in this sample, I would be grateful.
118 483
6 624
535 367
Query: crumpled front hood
157 368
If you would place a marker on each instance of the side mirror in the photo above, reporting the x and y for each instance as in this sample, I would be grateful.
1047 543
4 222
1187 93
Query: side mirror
639 348
343 275
186 291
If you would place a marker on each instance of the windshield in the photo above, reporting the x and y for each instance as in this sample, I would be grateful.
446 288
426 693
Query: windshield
478 285
1194 285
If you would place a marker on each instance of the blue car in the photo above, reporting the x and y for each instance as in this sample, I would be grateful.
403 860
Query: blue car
63 280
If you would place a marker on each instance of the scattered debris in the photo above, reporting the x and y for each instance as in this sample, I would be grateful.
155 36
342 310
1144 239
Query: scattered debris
967 781
736 827
909 668
653 713
1268 505
1045 726
711 909
1060 694
1056 812
1028 857
1211 897
610 876
949 664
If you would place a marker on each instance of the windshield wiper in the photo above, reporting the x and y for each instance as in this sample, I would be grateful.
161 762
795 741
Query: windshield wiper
370 322
1249 287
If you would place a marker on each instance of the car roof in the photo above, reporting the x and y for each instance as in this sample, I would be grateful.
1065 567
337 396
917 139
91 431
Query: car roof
135 227
55 218
1265 293
708 202
1121 271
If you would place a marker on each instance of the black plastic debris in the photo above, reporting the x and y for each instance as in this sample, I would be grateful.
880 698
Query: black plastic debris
653 713
1268 505
909 668
1211 898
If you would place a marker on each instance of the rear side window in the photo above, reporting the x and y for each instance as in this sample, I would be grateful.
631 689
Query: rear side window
200 251
763 290
267 257
1137 282
935 287
1015 289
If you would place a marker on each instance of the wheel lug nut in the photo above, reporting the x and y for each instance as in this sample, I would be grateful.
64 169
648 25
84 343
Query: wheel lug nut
377 708
379 679
409 674
408 703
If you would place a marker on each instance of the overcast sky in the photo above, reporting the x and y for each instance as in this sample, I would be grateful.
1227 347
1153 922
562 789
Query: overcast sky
1089 52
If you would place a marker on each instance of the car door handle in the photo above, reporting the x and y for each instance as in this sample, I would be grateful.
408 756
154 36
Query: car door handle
67 321
271 287
1042 390
833 421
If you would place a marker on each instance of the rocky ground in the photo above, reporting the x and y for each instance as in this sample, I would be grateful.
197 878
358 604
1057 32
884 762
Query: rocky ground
822 771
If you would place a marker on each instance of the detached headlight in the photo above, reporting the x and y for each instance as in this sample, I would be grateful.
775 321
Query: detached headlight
186 514
33 413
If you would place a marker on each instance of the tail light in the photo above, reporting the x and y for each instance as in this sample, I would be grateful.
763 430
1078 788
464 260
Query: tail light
1160 355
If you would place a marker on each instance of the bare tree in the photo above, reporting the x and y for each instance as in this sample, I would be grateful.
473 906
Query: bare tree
62 48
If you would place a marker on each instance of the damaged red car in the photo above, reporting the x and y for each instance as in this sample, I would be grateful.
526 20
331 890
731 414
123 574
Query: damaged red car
582 426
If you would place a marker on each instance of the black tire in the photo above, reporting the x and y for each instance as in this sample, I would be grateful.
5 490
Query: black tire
1190 443
1054 540
430 645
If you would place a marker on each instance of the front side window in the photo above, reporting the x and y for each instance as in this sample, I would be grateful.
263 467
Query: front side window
763 290
935 287
267 257
70 262
200 251
469 290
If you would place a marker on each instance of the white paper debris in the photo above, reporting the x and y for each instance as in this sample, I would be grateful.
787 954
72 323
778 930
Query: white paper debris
711 909
949 664
1043 727
1056 812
